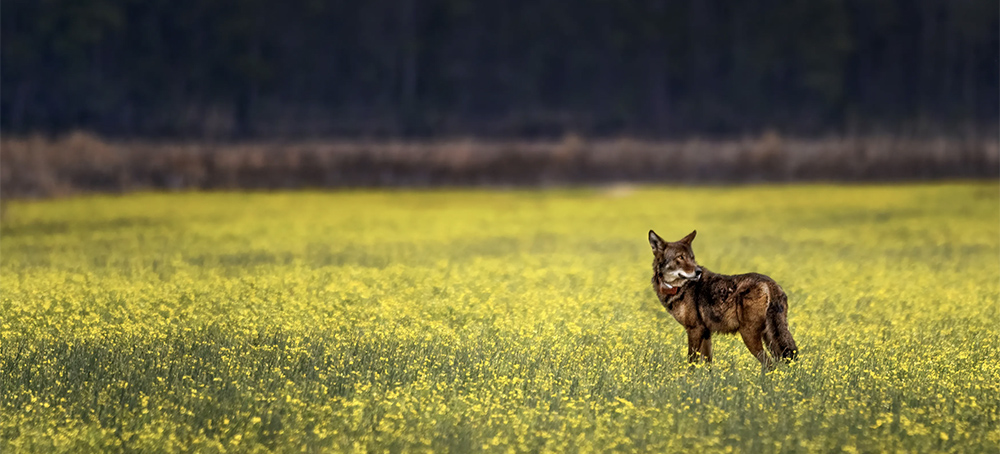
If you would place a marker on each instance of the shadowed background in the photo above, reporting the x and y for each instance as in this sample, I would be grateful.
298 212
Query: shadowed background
227 77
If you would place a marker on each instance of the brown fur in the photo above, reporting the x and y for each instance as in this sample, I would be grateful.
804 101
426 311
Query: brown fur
704 302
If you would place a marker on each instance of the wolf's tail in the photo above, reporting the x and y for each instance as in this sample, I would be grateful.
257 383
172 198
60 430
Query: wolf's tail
776 335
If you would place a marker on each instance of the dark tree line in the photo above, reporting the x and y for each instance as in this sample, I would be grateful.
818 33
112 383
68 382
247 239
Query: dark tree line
256 68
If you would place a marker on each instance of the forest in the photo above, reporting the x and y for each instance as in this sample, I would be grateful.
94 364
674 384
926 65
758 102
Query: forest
253 69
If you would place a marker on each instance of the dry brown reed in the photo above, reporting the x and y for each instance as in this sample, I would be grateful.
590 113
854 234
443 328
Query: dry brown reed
40 167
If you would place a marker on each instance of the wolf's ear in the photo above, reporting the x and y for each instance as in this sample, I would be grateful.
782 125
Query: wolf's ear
655 241
688 239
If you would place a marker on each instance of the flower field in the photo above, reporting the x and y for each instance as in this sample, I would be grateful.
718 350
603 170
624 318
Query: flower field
494 321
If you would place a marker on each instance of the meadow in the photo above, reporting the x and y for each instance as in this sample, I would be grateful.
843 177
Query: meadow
494 321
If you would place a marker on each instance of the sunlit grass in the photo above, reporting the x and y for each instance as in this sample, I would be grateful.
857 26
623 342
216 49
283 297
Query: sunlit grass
502 321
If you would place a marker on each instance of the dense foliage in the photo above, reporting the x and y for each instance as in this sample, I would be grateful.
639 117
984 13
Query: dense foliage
415 67
518 321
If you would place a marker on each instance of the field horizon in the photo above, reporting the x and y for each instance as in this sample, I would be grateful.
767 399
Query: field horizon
485 320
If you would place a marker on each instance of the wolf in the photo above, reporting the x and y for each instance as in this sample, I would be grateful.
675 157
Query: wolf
705 302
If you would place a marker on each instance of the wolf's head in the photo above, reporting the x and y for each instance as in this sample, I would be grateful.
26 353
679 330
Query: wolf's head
673 262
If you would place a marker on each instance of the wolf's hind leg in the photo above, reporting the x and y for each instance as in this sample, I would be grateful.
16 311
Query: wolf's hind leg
752 339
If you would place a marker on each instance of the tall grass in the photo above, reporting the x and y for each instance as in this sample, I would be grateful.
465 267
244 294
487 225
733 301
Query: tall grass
485 321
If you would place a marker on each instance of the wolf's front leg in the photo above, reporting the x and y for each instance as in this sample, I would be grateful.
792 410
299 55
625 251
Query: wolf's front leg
706 346
698 338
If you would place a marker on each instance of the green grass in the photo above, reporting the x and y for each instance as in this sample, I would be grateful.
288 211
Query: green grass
500 321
